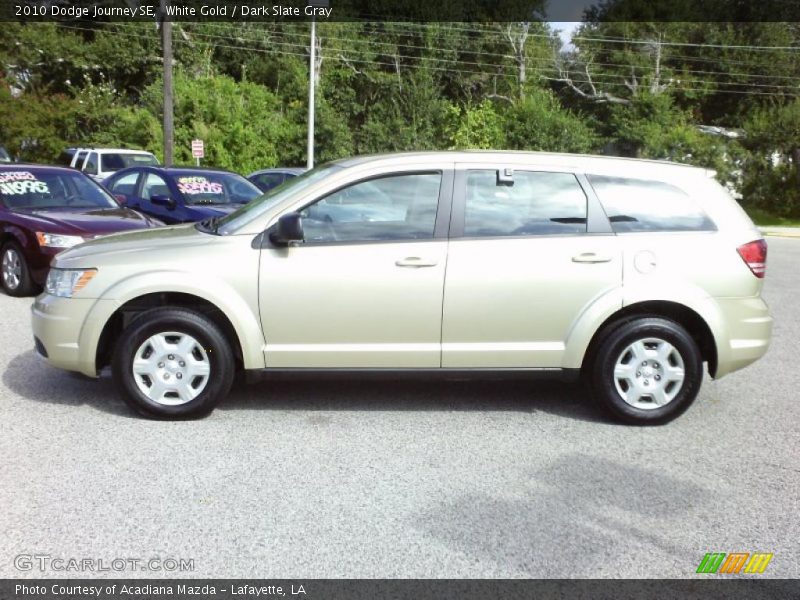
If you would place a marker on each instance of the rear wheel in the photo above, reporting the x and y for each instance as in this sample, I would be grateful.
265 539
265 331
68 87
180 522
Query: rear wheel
173 363
16 276
647 371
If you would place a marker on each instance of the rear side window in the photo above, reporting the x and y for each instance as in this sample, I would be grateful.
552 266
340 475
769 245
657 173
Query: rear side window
536 203
641 205
115 162
126 184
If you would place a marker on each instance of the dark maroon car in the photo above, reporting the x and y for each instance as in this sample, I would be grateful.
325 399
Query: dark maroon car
44 210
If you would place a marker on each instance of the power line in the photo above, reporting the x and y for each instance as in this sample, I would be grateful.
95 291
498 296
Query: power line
649 70
471 72
665 61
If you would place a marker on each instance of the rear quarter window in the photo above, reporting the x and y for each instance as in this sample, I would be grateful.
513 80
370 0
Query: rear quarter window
634 205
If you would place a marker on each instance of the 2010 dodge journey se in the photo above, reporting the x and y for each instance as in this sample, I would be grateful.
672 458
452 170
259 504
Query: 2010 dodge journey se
632 273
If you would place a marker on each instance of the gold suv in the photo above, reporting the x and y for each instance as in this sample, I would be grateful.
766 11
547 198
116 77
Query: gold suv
632 273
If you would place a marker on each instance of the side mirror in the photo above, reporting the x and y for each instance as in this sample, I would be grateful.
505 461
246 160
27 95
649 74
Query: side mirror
121 198
164 201
289 229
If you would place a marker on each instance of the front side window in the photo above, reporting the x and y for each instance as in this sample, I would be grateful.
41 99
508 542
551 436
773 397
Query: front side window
640 205
397 207
531 203
79 160
38 190
91 164
154 185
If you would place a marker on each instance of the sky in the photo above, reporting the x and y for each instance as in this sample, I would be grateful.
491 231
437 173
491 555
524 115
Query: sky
565 29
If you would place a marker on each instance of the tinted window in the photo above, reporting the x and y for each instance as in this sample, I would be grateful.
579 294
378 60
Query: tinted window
115 162
40 189
126 184
79 160
398 207
91 164
640 205
537 203
267 181
209 187
65 158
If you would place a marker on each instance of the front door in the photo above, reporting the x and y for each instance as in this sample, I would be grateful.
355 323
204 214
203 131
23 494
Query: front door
154 185
529 253
364 290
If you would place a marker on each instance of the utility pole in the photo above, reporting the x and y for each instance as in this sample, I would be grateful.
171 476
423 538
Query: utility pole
311 93
166 51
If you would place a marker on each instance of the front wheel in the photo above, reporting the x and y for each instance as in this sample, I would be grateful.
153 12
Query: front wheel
647 371
16 276
173 363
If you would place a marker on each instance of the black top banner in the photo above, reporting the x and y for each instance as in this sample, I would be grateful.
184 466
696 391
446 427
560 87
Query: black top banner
401 10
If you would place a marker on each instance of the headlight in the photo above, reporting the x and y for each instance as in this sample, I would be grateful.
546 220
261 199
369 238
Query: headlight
66 282
56 240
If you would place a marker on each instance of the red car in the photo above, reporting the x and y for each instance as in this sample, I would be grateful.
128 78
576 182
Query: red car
44 210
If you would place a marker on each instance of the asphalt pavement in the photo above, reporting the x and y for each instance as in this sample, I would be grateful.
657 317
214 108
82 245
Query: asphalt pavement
398 480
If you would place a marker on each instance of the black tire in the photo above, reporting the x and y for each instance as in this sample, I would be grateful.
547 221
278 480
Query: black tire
616 340
25 287
207 334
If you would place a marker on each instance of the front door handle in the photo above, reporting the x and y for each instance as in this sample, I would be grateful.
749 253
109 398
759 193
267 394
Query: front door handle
415 262
591 257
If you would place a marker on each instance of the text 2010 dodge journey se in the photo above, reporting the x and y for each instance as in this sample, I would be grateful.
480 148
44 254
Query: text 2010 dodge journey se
633 273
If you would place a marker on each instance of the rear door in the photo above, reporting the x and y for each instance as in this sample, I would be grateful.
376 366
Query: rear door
530 250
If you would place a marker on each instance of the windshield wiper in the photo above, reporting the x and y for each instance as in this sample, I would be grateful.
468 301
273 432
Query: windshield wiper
209 225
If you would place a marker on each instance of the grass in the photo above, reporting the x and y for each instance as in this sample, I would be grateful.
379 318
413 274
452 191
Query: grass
765 219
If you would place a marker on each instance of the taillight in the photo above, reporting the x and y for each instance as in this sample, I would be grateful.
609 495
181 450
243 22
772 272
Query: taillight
755 255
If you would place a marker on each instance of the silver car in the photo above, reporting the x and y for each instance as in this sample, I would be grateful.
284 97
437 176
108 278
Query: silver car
633 274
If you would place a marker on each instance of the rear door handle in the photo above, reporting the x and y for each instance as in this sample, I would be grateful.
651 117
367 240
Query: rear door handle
591 257
415 262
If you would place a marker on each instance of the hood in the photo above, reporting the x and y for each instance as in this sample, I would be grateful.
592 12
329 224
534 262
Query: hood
86 222
163 241
205 211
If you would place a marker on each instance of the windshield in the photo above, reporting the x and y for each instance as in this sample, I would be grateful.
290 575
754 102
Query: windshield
230 223
117 161
51 189
4 157
211 187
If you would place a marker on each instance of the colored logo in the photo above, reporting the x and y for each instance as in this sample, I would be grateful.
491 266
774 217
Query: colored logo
735 562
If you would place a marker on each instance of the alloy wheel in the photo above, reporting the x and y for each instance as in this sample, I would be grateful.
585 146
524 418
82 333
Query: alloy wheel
12 269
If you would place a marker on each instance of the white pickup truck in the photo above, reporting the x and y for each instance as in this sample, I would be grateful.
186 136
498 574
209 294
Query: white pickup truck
100 163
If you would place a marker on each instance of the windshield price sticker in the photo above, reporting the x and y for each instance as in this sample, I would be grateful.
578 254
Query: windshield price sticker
198 185
21 182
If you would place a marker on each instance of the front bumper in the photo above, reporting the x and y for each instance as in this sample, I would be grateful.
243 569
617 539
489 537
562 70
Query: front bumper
64 332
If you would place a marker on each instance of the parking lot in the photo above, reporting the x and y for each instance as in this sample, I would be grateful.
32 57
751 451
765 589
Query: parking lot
446 479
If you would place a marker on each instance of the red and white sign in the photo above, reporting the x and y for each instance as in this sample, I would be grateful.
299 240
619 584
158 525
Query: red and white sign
198 151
